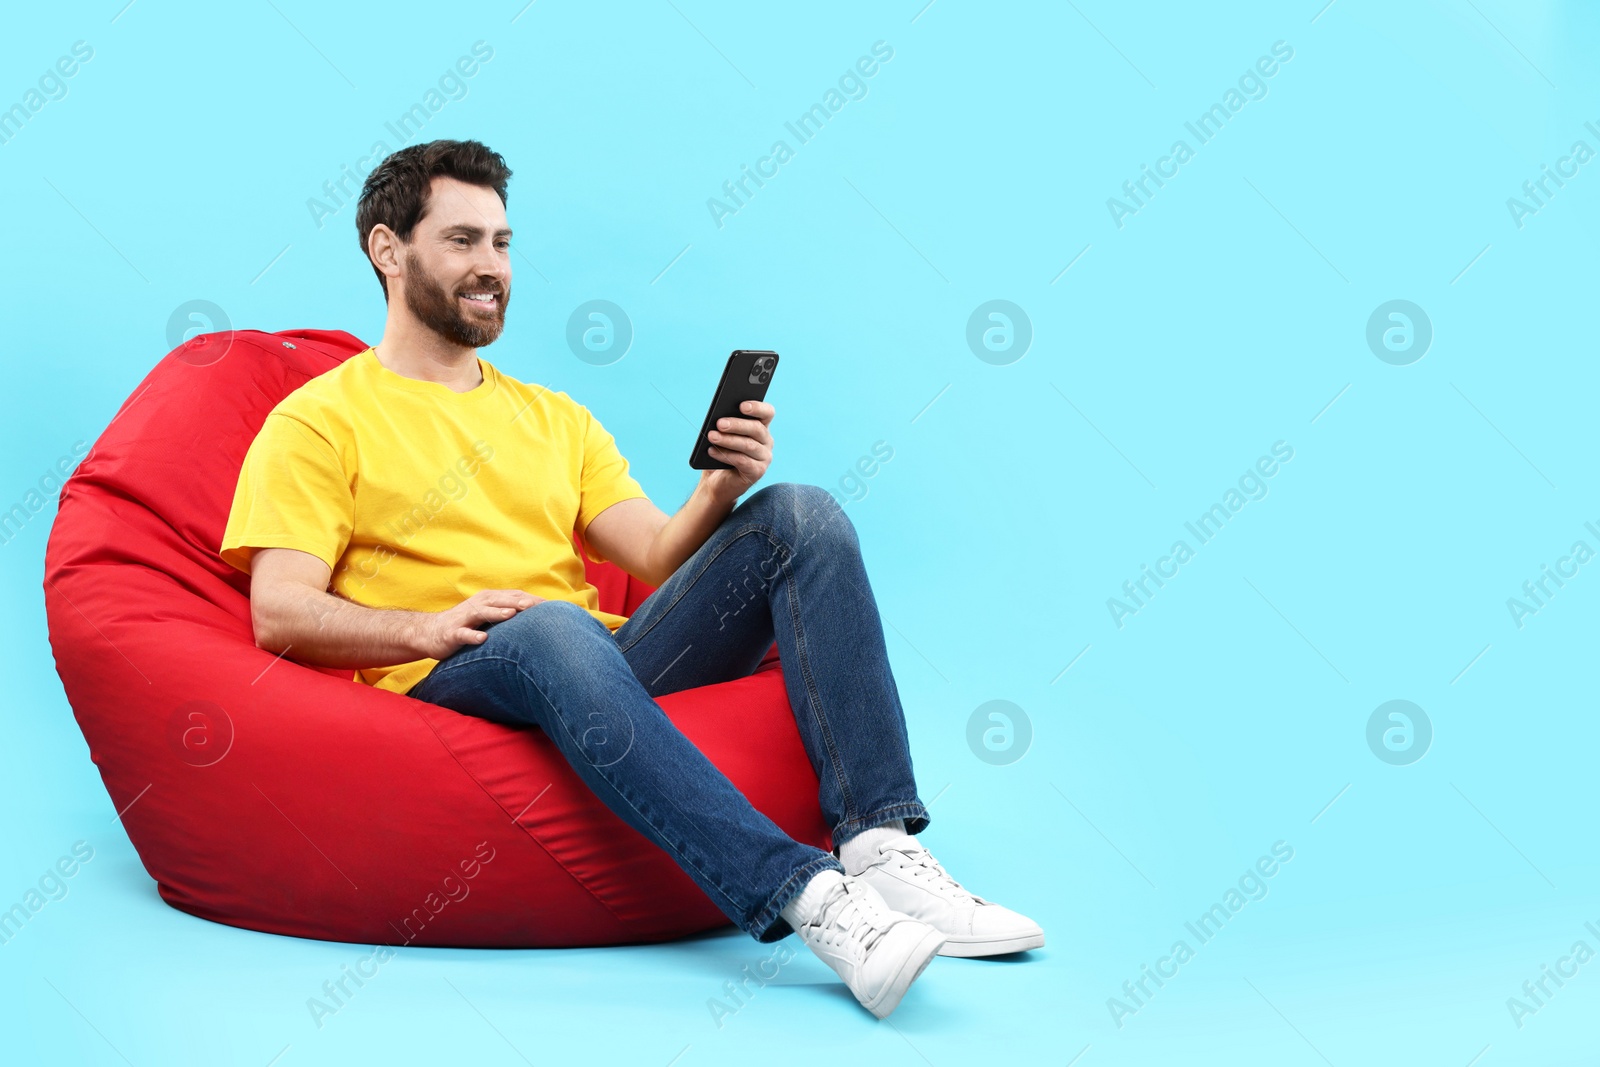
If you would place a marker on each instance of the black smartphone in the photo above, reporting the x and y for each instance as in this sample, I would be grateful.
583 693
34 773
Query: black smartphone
744 378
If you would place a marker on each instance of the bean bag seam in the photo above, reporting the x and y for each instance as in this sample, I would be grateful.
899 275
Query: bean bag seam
621 923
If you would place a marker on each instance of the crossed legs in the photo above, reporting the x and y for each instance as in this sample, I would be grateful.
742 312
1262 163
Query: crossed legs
785 565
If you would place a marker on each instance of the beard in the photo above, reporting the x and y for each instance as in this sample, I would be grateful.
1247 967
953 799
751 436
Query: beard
442 312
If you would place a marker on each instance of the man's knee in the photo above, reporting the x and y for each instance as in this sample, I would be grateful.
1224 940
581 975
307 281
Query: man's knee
802 513
548 628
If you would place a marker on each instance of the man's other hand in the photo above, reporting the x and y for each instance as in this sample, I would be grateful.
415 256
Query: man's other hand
746 443
442 632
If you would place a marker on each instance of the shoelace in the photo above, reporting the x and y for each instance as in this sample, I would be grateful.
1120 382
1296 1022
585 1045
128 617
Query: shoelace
920 862
851 913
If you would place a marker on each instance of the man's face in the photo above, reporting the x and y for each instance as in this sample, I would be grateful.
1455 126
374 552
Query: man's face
458 264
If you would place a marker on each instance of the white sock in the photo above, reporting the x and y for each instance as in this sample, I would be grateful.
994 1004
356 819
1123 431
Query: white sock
803 907
859 853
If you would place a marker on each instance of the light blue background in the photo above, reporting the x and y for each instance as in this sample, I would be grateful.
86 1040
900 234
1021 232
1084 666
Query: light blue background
1228 314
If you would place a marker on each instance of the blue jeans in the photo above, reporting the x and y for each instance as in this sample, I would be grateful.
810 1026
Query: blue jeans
785 564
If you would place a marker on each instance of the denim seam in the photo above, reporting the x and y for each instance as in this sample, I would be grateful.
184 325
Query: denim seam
906 811
809 681
753 527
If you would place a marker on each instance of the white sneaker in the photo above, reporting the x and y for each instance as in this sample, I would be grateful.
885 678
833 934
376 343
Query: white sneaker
911 881
877 952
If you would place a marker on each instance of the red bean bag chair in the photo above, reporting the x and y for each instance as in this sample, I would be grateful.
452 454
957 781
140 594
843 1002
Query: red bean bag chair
263 793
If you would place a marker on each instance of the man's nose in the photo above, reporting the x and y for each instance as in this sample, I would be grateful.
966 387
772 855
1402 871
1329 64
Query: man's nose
491 265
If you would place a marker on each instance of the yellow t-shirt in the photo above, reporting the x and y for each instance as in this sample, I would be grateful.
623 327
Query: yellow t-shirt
417 496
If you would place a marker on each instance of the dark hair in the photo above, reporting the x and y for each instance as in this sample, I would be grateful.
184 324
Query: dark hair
396 192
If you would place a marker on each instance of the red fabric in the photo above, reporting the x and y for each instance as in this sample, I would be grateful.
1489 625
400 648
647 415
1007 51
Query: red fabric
335 810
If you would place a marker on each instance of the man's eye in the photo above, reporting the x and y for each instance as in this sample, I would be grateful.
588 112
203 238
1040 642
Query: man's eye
463 240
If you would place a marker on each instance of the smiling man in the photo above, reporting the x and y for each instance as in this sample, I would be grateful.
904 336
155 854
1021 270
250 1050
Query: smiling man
410 515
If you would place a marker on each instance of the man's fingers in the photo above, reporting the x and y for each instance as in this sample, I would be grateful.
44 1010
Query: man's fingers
745 427
759 409
742 462
748 445
496 605
507 598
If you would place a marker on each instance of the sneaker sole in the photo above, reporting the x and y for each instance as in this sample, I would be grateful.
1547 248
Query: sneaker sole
889 997
991 946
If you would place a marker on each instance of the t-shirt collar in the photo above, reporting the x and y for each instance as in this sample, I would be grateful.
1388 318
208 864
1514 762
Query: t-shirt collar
394 379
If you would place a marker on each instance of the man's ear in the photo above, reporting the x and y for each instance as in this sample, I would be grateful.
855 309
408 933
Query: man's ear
384 248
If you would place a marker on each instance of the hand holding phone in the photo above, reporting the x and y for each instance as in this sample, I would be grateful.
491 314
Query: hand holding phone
745 377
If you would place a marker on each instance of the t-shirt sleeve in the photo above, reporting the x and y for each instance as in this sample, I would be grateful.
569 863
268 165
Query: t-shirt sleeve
605 479
292 493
